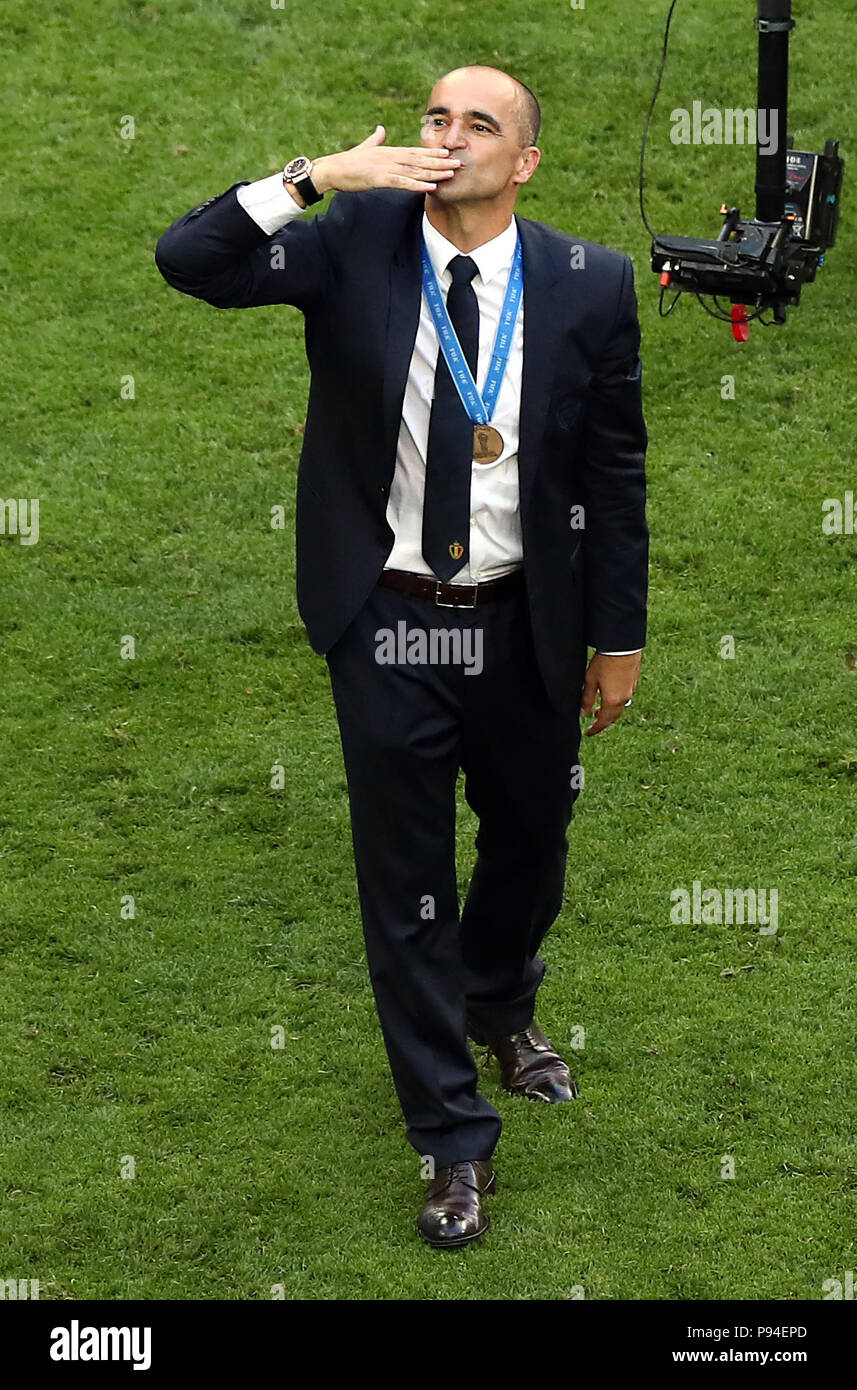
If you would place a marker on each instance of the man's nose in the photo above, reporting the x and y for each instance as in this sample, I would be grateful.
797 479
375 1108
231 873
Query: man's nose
454 137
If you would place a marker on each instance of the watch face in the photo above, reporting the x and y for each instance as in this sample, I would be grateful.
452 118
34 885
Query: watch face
297 167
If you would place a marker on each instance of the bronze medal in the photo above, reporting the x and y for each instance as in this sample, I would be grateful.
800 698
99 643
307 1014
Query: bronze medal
487 444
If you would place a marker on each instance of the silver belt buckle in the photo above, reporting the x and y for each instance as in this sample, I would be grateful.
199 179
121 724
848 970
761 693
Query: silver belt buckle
439 604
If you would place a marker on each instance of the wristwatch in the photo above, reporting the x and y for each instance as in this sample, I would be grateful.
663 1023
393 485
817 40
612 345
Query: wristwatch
298 171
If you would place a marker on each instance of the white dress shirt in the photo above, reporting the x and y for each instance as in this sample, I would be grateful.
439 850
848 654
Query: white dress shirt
496 545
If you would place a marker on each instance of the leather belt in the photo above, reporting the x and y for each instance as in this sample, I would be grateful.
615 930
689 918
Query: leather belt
452 595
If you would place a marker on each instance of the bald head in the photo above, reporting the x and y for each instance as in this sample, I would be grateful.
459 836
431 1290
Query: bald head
528 113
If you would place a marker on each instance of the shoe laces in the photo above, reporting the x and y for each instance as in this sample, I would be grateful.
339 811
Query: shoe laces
462 1172
533 1040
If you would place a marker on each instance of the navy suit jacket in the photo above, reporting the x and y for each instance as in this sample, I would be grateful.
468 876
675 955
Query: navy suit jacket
354 272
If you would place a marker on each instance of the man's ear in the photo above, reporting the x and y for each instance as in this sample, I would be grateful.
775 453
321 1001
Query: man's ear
530 160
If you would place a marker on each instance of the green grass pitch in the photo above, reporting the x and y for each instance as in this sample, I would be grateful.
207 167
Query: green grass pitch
153 1144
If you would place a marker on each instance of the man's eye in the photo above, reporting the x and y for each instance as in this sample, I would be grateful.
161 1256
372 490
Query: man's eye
480 127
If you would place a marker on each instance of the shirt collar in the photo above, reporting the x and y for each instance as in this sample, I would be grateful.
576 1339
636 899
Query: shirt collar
491 257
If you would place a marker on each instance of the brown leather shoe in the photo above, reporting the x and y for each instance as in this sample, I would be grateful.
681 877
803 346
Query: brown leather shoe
530 1067
453 1215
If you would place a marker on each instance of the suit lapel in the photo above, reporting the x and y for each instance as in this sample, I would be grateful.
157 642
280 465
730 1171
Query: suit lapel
406 288
542 323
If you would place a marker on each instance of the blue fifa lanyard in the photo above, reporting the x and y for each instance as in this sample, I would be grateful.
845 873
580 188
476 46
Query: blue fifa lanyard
480 408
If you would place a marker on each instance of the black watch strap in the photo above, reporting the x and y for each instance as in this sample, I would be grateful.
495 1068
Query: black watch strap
301 179
307 189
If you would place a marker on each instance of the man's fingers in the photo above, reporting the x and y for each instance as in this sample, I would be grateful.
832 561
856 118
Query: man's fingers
413 176
419 167
372 164
411 168
421 153
607 715
402 181
422 159
590 690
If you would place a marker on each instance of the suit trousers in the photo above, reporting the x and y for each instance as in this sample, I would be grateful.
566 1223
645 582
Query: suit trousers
407 726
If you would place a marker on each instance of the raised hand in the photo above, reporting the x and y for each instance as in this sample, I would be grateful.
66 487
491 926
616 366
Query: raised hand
372 164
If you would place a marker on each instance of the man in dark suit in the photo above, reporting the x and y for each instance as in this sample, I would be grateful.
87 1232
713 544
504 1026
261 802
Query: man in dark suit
470 518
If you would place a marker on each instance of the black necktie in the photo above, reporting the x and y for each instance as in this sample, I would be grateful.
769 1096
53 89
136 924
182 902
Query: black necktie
449 456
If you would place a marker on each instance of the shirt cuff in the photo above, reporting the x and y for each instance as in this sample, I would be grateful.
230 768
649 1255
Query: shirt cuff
599 652
269 203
